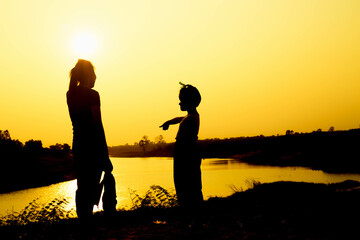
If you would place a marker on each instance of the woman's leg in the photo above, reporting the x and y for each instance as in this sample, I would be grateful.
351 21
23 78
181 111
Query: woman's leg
88 182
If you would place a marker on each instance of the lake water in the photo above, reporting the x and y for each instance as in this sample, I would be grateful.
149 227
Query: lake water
219 177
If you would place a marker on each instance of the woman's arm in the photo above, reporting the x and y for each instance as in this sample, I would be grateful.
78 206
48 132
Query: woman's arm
173 121
96 115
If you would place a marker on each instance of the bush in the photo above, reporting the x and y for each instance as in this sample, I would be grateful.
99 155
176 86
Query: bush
156 197
36 213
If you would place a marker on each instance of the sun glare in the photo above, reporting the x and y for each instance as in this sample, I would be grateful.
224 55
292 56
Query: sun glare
84 45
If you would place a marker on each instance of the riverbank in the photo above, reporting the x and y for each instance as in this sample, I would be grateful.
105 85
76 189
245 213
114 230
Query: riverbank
280 210
37 172
31 165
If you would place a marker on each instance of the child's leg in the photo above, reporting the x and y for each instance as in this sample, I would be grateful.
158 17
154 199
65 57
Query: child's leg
194 196
180 181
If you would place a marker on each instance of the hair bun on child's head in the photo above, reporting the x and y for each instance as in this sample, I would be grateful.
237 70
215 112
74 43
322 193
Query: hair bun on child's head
182 84
189 94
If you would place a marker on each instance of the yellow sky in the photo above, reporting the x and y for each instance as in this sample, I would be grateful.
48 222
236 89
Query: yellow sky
262 67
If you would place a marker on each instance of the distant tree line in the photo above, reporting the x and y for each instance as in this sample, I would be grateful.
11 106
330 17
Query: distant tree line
34 148
145 147
332 151
30 164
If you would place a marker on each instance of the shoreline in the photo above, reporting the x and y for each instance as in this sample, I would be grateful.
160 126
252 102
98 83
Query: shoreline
22 187
280 210
36 172
331 152
53 176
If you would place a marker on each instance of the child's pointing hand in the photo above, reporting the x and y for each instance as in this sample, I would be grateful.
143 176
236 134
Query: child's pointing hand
165 126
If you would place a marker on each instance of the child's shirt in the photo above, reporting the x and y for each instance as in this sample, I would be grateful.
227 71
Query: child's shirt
188 129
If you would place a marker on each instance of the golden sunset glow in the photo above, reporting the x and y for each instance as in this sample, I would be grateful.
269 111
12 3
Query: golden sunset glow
84 45
262 67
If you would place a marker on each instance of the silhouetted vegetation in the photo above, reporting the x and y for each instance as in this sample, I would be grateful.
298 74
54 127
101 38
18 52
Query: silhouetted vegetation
333 151
280 210
155 197
32 165
145 147
144 142
34 212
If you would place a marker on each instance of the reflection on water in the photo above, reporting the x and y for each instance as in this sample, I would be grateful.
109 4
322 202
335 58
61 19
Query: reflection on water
219 177
16 201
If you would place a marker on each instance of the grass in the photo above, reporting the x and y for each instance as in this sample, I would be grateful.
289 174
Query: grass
281 210
250 183
34 212
156 197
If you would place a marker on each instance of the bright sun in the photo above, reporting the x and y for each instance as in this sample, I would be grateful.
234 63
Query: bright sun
84 45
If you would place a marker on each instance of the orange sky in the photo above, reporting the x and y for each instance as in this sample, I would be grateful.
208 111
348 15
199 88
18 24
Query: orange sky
262 67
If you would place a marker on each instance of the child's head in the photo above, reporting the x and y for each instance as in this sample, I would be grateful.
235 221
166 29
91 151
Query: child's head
189 97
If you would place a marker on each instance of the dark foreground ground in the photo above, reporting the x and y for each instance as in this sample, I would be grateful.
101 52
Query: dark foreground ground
281 210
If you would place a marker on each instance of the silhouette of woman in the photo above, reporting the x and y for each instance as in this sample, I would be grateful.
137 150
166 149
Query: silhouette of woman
187 159
89 144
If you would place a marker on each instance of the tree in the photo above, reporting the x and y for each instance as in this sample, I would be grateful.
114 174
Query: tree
65 148
144 142
5 135
34 146
59 150
55 148
159 139
331 129
289 132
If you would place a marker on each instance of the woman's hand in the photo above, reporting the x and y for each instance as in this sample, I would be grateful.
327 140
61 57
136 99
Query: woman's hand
108 167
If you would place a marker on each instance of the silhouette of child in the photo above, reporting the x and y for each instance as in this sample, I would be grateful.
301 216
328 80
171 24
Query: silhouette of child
187 159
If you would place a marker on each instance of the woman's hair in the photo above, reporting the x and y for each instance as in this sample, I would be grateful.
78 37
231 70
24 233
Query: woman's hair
81 73
190 95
